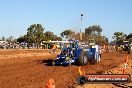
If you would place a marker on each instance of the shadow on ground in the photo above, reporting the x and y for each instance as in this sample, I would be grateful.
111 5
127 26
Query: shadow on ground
47 62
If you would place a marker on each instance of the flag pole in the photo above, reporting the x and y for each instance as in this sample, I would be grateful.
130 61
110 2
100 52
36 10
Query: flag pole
80 27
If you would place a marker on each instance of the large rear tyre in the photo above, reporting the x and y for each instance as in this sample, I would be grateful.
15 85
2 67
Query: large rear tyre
82 59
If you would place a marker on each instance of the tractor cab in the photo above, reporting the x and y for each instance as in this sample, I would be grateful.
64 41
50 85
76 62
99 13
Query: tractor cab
70 49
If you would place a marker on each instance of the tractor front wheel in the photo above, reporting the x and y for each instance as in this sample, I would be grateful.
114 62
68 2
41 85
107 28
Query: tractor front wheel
53 63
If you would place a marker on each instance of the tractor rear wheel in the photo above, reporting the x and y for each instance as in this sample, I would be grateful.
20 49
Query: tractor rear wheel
83 59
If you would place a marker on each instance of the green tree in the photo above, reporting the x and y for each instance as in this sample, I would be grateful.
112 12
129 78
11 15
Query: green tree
10 39
94 30
22 39
35 34
119 36
94 33
59 38
49 35
3 38
67 34
129 36
39 35
56 38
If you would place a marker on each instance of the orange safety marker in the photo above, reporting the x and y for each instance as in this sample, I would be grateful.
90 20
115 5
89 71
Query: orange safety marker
50 84
81 72
125 64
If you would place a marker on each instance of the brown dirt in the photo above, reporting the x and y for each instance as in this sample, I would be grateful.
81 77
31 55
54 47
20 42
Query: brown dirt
27 69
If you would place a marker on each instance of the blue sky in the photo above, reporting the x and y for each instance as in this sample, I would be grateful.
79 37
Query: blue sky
57 15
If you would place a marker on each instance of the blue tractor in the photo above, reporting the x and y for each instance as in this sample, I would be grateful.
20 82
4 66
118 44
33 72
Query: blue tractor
73 54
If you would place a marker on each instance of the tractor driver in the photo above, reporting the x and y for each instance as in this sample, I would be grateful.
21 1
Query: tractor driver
64 50
69 51
74 46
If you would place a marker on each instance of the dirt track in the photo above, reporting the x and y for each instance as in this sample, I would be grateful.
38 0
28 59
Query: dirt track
27 68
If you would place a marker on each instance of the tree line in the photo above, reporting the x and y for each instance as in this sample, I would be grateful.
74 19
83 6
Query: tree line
119 37
91 33
36 34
